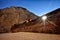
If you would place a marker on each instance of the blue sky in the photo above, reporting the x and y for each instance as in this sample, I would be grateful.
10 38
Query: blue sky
38 7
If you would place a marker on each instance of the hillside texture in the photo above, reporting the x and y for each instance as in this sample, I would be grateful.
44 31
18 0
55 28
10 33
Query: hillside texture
52 24
14 15
19 19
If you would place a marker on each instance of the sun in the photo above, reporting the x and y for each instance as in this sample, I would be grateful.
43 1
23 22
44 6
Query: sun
44 18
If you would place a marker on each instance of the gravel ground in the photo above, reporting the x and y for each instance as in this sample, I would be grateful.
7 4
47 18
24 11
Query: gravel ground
29 36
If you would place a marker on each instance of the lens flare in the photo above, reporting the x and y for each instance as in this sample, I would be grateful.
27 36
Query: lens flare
44 18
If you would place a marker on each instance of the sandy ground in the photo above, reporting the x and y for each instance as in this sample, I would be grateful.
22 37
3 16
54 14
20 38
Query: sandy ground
29 36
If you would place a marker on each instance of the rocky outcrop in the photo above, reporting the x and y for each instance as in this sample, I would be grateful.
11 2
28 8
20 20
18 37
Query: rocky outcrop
19 19
14 15
52 24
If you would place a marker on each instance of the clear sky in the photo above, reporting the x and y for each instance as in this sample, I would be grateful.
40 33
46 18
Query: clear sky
38 7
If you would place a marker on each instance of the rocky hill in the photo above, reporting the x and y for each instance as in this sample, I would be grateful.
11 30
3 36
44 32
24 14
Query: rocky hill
19 19
14 15
52 24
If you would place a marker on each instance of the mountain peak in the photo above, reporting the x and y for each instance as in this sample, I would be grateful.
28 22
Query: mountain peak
18 7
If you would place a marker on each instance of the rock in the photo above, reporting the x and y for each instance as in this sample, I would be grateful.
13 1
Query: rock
52 24
19 19
14 15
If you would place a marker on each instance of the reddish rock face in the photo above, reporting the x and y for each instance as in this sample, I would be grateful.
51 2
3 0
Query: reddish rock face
52 24
18 19
13 15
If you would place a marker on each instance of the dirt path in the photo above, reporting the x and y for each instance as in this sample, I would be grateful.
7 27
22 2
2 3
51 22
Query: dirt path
29 36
